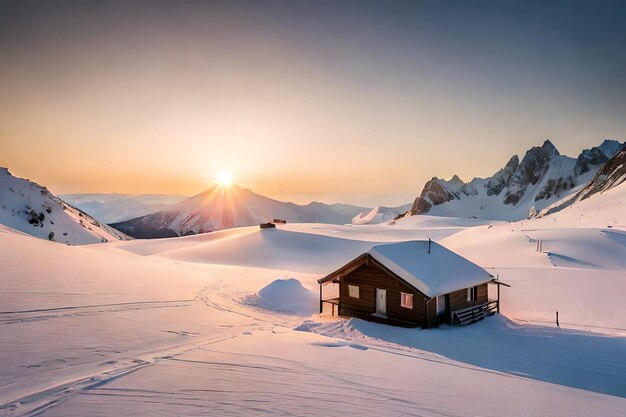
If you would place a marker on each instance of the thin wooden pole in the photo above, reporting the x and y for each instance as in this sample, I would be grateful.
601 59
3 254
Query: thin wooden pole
498 305
321 302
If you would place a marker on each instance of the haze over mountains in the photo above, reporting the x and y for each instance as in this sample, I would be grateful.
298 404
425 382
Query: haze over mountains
112 208
222 207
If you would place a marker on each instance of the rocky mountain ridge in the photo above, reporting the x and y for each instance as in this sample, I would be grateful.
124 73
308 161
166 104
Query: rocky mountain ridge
519 189
609 176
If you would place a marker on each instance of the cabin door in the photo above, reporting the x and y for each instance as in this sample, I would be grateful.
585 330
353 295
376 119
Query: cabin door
441 304
381 301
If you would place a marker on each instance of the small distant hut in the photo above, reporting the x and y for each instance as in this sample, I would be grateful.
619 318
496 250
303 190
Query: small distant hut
414 283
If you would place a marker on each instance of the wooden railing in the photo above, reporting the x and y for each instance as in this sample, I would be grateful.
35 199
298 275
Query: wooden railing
473 313
332 302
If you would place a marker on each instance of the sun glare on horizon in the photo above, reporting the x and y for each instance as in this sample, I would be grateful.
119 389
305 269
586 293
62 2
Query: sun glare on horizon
224 178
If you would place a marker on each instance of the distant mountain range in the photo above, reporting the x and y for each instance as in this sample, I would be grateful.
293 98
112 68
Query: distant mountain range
520 189
32 209
113 208
225 207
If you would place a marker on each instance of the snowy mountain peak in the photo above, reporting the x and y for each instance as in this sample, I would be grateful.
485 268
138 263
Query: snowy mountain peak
32 209
220 208
549 148
610 147
513 163
456 180
611 175
534 165
597 155
541 178
500 179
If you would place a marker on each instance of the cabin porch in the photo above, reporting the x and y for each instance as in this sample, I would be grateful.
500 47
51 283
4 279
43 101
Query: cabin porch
329 306
474 313
477 310
329 298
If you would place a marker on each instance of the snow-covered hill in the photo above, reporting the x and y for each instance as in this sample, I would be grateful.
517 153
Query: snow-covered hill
520 189
224 207
381 214
32 209
112 208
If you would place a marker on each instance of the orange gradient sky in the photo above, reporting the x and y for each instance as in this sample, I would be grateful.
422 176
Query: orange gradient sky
357 102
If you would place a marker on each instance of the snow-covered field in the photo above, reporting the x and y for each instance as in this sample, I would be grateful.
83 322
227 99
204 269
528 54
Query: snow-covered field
194 325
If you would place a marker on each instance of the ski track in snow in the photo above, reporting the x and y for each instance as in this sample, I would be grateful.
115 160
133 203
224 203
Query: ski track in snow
39 402
10 317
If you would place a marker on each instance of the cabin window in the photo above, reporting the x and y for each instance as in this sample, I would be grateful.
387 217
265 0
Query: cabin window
406 300
353 291
471 294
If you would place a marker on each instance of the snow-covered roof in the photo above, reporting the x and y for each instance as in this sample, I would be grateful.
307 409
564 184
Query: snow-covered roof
439 272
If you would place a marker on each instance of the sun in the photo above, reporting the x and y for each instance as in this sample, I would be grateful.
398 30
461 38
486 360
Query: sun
224 178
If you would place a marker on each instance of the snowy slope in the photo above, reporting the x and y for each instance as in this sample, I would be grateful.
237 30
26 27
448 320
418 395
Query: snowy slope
32 209
111 208
602 210
611 175
520 189
225 207
380 214
141 334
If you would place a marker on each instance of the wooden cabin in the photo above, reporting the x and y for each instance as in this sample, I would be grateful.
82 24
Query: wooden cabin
414 283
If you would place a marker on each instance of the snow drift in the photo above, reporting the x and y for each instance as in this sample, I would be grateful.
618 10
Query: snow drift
285 296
